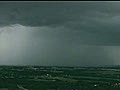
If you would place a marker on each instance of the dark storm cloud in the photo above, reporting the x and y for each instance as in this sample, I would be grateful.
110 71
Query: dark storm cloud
60 33
94 22
52 13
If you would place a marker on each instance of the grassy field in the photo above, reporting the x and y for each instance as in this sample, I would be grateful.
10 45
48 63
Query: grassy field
59 78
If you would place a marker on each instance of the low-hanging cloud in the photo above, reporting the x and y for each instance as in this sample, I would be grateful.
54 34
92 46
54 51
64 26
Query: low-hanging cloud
23 45
59 33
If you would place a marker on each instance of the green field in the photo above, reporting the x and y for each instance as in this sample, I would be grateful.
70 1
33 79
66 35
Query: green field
59 78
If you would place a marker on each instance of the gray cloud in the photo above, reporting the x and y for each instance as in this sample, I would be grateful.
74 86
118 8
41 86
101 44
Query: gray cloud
60 33
24 45
51 13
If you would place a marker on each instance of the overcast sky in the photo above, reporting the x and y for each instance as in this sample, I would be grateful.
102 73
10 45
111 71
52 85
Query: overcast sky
60 33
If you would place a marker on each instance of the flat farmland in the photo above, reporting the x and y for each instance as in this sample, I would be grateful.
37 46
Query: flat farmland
59 78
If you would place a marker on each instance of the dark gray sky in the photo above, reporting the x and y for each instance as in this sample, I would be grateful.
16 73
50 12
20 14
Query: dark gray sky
60 33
